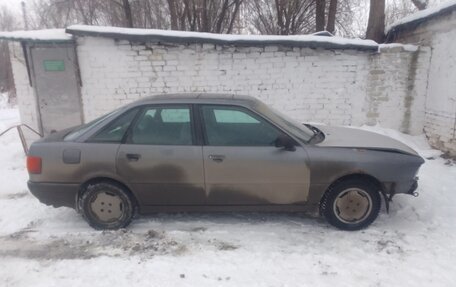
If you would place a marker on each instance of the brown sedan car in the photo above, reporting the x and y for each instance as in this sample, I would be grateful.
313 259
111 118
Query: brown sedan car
202 152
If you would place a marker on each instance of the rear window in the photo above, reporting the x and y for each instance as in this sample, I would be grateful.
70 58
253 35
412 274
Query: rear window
74 134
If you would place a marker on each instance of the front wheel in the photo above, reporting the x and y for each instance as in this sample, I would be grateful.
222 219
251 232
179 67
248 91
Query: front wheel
107 206
351 204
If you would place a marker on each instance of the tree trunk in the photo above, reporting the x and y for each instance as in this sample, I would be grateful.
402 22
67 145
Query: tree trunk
234 16
376 25
421 5
173 14
128 15
331 26
320 6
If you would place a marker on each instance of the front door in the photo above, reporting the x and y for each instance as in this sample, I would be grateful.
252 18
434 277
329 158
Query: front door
160 159
243 167
56 85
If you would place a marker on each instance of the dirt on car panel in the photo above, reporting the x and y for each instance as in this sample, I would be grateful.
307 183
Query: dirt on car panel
226 195
168 184
220 194
164 173
172 194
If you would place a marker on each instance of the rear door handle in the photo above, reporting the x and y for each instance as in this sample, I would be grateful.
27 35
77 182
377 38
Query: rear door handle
217 157
133 156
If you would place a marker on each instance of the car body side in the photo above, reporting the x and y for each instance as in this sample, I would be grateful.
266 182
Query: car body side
69 166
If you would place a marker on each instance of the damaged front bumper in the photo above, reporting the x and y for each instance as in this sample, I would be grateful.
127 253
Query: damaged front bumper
404 187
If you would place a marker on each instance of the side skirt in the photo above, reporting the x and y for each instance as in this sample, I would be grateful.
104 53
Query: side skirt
221 208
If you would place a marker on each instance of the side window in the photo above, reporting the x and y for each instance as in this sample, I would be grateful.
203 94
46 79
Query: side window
163 126
115 131
236 126
233 116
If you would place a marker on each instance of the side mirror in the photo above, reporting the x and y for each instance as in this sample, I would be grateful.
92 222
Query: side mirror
285 142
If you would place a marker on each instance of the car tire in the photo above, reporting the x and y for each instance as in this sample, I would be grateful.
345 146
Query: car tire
107 205
351 204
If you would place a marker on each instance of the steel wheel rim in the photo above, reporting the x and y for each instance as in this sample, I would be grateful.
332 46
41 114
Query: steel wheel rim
352 206
107 207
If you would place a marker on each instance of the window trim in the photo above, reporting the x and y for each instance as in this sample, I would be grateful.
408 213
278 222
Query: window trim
204 132
143 108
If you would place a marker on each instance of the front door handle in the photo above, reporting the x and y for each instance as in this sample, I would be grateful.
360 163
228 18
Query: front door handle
217 157
133 156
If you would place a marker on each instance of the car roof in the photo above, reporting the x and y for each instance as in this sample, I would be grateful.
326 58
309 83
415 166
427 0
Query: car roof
198 98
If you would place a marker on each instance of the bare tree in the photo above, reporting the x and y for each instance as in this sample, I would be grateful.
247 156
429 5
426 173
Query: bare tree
150 14
332 10
172 4
376 23
127 10
7 23
216 16
420 4
282 17
398 9
320 9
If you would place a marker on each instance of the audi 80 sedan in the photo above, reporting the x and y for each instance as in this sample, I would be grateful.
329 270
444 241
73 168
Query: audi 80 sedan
205 152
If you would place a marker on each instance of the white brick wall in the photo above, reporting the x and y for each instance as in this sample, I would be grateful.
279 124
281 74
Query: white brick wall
25 93
340 87
397 88
440 119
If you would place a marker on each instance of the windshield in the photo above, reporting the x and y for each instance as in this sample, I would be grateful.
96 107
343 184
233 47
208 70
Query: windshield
298 129
74 134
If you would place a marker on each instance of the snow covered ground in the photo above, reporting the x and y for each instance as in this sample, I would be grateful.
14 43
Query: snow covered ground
413 245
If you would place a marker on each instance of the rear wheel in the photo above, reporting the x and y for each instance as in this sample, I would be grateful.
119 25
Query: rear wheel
107 206
351 204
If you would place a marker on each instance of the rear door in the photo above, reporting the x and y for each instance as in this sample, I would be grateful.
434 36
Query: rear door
243 167
161 159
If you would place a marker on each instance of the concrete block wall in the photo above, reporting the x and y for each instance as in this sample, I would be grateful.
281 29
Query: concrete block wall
337 87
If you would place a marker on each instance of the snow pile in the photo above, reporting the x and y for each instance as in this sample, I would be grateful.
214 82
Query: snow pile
404 47
422 14
413 245
37 35
228 38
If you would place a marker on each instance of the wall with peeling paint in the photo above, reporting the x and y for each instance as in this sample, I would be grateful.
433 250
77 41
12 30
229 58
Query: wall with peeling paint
439 34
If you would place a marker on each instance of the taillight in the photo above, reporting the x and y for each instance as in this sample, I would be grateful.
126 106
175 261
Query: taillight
34 164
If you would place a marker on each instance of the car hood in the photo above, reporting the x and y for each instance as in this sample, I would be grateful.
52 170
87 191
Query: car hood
356 138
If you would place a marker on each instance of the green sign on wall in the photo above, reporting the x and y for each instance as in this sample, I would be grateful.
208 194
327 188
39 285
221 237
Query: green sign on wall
54 65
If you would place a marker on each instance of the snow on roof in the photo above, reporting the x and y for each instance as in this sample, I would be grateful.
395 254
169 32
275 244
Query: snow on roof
312 41
422 15
48 35
404 47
